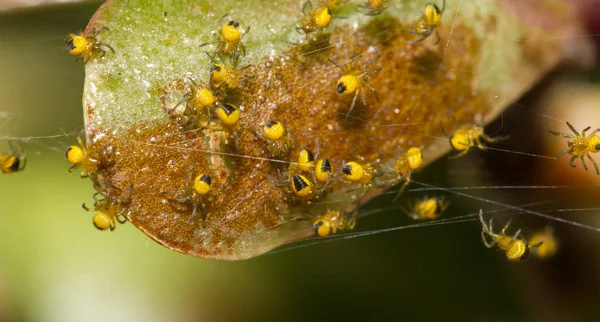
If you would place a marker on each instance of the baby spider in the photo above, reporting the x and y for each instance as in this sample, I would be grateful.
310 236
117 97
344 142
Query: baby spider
305 161
333 221
13 162
580 146
428 208
516 248
278 137
470 136
320 170
297 184
324 173
89 160
373 7
229 115
229 40
428 23
549 243
314 20
198 193
224 77
362 171
354 81
110 210
199 101
87 46
403 168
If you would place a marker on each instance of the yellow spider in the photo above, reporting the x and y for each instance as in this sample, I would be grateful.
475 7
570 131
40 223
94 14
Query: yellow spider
333 221
428 23
428 208
199 101
90 160
470 136
355 81
580 146
13 162
373 7
198 192
110 210
297 184
278 137
515 247
87 46
314 20
228 41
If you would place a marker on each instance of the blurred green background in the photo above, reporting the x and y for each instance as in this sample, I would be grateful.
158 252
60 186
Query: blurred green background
54 266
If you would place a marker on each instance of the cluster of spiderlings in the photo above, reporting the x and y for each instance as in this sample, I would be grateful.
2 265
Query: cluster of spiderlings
114 204
306 178
215 106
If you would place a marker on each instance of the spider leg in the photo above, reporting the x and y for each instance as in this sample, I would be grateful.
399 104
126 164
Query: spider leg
306 8
127 195
107 46
480 144
572 162
564 135
412 31
402 188
94 32
460 154
593 162
363 96
583 162
503 231
373 88
120 216
351 105
562 153
536 245
486 242
517 234
209 43
594 133
486 228
95 196
84 173
222 19
585 130
573 129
